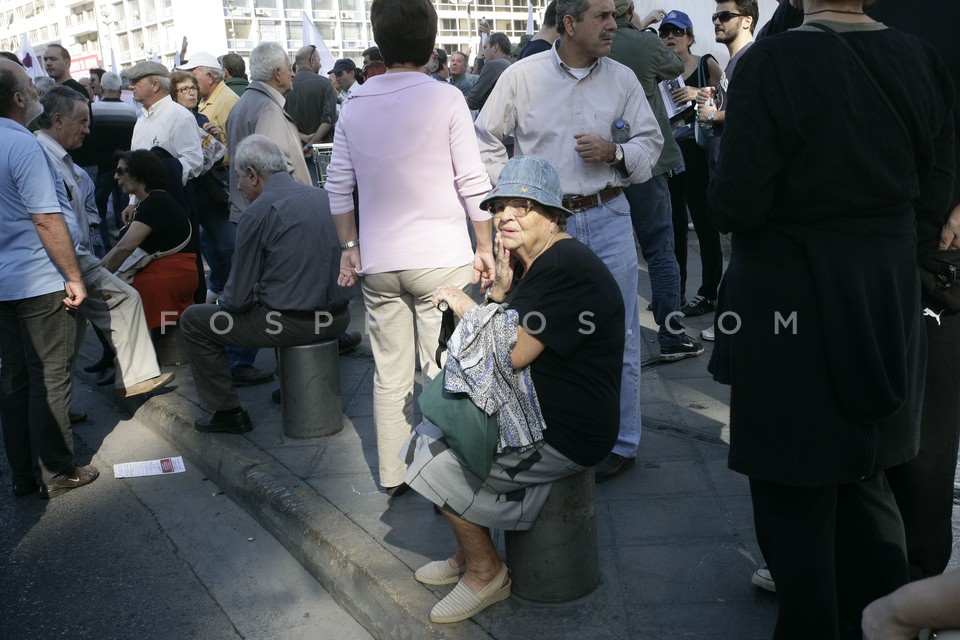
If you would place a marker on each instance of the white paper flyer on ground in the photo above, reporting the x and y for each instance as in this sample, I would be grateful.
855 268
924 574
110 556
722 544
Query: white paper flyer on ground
149 468
667 88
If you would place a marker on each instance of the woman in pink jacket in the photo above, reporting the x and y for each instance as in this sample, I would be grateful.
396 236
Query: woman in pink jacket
406 142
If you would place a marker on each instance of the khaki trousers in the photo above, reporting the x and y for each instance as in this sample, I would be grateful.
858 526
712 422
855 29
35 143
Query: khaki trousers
403 324
114 307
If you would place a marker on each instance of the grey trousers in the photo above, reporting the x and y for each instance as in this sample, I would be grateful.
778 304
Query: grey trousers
207 329
36 348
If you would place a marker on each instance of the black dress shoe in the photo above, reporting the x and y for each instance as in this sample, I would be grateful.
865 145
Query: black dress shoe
105 362
347 342
275 396
248 376
77 416
230 421
25 487
612 466
397 491
109 377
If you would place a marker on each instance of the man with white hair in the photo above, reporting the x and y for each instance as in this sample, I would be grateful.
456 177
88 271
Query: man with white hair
111 127
112 305
260 110
216 99
164 123
282 291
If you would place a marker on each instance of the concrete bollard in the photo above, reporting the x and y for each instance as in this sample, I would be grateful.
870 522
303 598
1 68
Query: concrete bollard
171 350
556 559
310 390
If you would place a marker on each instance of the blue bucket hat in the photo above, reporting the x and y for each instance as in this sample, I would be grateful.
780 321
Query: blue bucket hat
678 19
532 178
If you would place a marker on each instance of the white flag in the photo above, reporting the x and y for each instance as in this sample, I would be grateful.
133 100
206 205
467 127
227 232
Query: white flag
312 37
530 30
32 64
113 62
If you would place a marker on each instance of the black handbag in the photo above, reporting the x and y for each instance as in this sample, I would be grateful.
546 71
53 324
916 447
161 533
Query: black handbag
939 272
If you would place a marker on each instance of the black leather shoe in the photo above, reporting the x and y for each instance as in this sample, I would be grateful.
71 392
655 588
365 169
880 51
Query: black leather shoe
25 487
276 397
109 377
397 491
231 421
612 466
347 342
77 416
105 362
248 376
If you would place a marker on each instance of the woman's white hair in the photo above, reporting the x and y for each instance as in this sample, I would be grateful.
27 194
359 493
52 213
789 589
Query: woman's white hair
266 57
262 154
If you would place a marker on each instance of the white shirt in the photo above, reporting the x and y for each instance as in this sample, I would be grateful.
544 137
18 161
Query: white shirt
171 126
542 102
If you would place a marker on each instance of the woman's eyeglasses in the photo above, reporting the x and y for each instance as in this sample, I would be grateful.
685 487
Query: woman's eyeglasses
725 16
119 171
520 207
666 32
187 89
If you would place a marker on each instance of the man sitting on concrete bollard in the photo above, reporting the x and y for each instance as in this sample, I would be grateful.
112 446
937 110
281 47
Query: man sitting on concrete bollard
282 290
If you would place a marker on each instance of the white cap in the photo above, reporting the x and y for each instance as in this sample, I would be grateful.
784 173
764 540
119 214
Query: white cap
202 59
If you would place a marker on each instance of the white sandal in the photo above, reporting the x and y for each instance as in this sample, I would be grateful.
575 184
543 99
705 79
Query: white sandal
463 602
439 572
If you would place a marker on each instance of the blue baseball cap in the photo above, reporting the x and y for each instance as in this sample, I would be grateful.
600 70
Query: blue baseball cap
678 19
532 178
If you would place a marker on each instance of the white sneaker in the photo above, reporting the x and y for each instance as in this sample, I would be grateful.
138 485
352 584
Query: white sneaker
763 579
707 334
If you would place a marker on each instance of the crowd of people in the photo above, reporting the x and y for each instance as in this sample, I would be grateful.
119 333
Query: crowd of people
521 187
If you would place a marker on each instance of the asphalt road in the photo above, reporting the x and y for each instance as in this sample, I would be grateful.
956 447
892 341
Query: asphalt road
162 557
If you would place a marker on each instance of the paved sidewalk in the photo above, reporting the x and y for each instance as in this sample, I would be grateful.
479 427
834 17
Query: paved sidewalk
676 539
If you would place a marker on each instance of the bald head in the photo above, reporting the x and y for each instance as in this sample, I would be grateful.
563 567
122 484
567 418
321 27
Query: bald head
18 98
309 58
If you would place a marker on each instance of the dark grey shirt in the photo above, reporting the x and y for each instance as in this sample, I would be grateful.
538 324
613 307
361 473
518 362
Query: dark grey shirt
488 77
287 256
312 102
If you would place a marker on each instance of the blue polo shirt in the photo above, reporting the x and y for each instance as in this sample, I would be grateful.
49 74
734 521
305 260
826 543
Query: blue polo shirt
26 187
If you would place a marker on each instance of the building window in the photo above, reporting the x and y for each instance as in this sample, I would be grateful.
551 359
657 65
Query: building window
294 29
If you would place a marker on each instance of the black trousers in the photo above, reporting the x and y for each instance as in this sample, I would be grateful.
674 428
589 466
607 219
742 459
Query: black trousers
689 189
923 487
832 551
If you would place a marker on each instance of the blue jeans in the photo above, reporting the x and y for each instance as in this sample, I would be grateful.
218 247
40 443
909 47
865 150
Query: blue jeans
218 238
607 231
36 348
652 217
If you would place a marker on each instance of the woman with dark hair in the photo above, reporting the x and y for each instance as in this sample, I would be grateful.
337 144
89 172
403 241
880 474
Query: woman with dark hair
820 330
159 225
413 231
689 188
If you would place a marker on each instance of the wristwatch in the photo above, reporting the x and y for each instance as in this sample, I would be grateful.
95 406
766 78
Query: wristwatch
348 245
617 155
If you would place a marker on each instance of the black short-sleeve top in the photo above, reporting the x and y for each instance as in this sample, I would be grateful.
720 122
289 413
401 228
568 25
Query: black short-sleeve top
569 301
167 220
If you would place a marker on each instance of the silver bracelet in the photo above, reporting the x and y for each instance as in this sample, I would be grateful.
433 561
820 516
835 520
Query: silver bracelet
348 245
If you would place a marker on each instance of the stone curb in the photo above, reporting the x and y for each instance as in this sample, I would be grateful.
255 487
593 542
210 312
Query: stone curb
369 582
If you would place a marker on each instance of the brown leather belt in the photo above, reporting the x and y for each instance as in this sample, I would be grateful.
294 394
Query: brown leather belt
579 203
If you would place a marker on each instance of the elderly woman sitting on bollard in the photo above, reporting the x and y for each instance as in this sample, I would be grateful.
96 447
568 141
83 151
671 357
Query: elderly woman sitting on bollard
557 340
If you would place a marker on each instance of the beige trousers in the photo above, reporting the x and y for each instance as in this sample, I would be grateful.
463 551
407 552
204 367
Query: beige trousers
114 307
403 324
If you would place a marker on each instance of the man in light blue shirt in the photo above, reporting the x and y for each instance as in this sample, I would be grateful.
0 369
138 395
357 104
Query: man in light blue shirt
40 281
